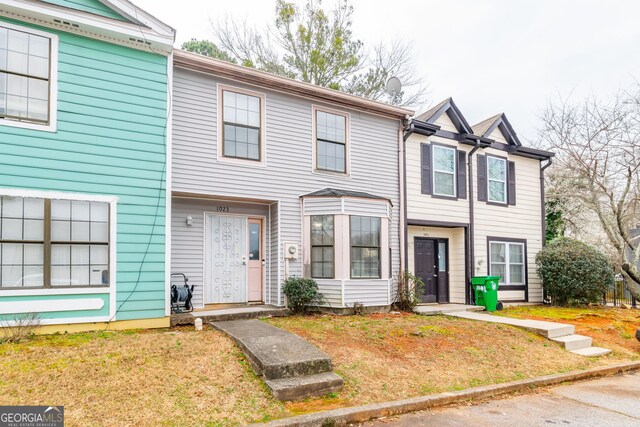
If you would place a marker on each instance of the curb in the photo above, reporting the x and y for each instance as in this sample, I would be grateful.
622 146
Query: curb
360 414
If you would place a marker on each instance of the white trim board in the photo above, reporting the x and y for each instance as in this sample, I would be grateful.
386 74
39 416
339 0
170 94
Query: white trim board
51 306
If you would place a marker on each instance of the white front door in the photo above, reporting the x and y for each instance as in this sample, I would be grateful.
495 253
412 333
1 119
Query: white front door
225 259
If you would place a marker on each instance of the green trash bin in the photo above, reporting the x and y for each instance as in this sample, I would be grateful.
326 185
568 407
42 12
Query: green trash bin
486 291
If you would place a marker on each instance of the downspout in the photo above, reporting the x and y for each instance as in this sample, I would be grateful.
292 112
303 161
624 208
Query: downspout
404 239
542 201
471 242
543 215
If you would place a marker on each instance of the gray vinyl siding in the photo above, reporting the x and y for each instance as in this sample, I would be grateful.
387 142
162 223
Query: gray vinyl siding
332 292
376 293
288 173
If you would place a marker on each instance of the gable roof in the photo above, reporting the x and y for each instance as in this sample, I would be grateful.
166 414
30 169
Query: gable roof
137 29
450 108
486 127
205 64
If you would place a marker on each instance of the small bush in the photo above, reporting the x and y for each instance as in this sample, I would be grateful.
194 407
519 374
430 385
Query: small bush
301 292
573 272
410 288
20 327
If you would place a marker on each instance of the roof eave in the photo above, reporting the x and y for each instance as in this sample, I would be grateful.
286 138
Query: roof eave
251 76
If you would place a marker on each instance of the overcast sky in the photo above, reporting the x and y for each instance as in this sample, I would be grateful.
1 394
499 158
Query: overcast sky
491 56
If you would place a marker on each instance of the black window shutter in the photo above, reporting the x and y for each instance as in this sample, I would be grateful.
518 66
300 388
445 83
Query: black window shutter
426 179
511 183
482 178
462 175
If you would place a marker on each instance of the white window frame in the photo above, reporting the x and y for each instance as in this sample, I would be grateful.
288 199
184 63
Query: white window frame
50 305
489 180
506 281
221 88
52 126
435 147
314 141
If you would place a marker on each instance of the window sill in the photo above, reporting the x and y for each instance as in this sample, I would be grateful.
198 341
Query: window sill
32 126
242 162
503 204
444 197
335 174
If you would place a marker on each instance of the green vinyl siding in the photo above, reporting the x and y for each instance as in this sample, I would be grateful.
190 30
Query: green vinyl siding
91 6
110 140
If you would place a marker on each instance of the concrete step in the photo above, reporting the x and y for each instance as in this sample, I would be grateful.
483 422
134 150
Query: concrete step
592 351
574 342
227 314
300 388
273 352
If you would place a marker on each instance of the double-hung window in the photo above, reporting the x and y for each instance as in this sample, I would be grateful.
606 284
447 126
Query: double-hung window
365 247
507 261
331 142
322 247
26 76
497 179
241 121
48 243
444 171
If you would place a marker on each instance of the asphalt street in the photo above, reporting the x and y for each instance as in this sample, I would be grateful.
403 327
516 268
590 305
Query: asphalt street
610 401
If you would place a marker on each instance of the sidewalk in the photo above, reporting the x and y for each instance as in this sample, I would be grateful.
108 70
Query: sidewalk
610 401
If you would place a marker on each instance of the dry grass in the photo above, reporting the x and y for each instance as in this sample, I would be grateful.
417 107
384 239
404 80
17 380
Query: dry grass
613 328
386 357
137 378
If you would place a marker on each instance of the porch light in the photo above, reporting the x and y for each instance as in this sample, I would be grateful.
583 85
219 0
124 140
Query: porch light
189 221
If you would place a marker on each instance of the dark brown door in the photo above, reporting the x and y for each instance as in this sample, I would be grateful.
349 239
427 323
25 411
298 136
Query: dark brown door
426 267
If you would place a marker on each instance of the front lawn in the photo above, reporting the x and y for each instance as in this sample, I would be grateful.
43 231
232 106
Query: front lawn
189 378
137 378
612 328
387 357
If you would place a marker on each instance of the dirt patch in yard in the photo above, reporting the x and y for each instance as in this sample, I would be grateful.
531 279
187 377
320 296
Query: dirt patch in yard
393 356
137 378
612 328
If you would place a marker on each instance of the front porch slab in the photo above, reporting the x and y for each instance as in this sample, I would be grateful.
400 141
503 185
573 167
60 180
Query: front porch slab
436 309
228 313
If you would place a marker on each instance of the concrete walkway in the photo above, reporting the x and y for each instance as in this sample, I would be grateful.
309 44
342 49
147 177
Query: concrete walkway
435 309
558 332
293 368
611 401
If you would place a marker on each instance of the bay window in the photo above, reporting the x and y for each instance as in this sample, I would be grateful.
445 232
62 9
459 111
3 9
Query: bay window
365 247
322 247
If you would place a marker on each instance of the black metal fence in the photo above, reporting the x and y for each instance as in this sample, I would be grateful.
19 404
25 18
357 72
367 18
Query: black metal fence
619 294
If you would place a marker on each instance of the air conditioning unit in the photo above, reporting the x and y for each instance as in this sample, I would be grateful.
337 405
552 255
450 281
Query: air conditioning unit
291 250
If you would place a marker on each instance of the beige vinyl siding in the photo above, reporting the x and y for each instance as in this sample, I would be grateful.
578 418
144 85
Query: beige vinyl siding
445 123
522 221
288 170
424 206
456 256
497 136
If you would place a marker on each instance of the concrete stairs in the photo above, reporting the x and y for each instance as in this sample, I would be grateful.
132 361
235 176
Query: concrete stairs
558 332
292 368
